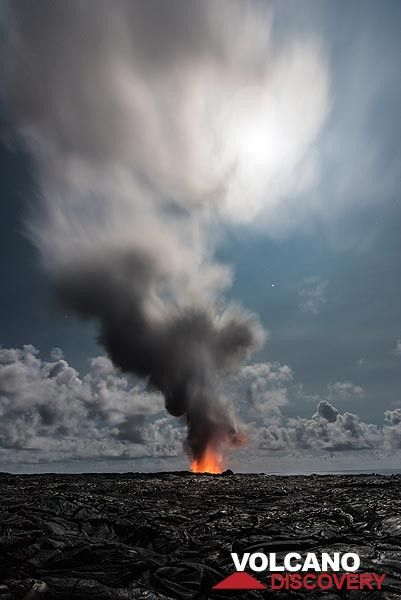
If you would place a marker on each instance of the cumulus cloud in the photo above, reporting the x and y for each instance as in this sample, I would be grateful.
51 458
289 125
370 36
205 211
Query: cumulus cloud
345 432
312 294
266 387
392 428
327 411
392 417
328 430
272 392
46 406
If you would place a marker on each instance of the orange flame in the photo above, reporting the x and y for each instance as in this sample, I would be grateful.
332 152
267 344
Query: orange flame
210 462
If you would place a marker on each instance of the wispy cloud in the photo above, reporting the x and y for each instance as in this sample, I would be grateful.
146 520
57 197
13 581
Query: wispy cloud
344 391
312 294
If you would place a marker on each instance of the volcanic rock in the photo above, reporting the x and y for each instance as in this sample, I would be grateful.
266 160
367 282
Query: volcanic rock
169 535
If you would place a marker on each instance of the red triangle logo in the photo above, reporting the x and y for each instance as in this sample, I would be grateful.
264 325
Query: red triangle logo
239 581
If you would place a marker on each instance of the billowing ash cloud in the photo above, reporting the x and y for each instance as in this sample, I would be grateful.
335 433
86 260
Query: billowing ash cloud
150 122
182 353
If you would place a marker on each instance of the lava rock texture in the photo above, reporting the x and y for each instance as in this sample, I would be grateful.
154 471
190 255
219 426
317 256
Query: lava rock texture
169 535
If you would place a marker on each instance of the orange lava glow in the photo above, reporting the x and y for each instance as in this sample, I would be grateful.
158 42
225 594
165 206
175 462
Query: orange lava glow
210 462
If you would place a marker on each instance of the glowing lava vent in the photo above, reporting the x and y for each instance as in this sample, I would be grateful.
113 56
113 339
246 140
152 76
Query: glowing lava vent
210 462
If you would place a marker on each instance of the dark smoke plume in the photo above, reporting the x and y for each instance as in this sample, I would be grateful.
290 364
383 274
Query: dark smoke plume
150 122
183 355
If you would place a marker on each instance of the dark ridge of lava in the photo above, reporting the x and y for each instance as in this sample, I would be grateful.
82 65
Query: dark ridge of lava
169 535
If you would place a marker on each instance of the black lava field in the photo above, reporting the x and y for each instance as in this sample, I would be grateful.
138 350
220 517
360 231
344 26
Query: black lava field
169 535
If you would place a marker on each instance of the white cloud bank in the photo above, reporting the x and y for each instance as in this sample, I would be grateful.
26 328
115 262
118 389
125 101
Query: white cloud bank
47 408
48 412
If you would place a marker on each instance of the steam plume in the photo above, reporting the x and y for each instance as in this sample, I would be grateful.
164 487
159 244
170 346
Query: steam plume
151 121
